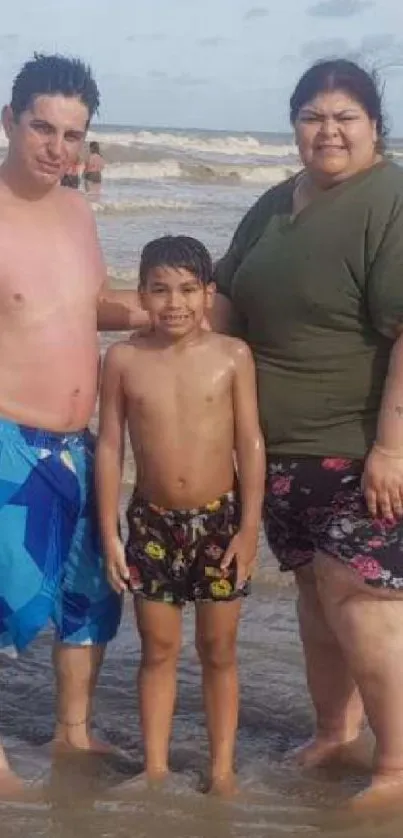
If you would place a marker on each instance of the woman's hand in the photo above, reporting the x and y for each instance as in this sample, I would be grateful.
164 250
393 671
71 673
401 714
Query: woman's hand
382 483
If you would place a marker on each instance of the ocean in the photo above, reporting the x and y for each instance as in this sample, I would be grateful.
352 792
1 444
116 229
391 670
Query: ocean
165 180
198 182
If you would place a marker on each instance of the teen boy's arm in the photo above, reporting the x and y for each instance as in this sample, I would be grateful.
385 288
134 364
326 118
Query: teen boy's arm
108 466
251 463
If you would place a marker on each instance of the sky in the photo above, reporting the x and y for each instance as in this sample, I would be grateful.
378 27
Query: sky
218 64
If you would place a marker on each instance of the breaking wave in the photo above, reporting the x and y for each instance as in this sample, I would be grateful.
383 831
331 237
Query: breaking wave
194 171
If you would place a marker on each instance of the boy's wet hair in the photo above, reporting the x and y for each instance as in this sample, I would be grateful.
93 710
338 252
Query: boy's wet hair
50 75
177 252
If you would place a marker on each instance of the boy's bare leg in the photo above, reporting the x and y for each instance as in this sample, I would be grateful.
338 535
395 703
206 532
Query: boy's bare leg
337 702
369 626
216 637
160 629
77 669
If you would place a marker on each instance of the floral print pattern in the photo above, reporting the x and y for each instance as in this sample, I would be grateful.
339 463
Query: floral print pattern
174 555
316 504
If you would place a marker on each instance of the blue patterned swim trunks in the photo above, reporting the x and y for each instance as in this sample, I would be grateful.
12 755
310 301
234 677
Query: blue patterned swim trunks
51 565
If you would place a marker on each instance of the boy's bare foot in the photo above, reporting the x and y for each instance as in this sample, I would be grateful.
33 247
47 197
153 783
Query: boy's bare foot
320 751
224 785
385 791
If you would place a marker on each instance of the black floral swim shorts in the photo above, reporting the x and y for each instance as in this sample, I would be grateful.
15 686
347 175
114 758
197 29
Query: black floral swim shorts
174 555
316 504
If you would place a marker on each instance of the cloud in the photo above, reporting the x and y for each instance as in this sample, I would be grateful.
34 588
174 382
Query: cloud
324 48
377 42
211 42
373 51
339 8
157 74
151 36
255 13
186 80
382 50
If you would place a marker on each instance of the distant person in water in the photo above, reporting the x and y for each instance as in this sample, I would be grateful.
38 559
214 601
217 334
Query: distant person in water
71 177
189 398
93 168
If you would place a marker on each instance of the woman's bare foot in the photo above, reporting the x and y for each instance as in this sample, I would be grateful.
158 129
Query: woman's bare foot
320 751
224 785
386 790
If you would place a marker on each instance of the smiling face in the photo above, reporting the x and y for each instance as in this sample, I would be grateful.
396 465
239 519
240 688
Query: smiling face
176 301
46 138
335 136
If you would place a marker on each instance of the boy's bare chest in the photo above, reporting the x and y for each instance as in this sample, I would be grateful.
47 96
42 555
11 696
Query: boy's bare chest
178 389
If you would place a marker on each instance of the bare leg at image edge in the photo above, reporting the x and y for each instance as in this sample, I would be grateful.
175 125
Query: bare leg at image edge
367 624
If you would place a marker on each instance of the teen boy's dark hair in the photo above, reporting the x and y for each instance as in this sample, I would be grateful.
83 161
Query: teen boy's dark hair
177 252
49 75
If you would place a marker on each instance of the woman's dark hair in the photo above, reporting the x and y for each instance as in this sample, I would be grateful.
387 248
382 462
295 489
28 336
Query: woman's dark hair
94 147
177 252
50 75
341 74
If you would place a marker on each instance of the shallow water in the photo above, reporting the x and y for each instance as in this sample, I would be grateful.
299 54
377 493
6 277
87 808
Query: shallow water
80 796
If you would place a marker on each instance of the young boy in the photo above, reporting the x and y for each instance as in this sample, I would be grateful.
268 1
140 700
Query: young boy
189 398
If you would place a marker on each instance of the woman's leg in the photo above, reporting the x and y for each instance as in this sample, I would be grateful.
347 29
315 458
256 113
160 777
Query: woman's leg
337 703
368 623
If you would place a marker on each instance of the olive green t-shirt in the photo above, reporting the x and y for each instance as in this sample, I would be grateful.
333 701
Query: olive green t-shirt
318 298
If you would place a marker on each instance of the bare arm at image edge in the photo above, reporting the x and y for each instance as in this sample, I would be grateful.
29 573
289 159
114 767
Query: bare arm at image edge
382 481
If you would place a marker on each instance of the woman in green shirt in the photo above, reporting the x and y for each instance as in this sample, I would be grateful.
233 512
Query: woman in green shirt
313 280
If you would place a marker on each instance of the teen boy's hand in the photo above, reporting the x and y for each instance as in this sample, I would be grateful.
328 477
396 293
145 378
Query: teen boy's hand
242 548
116 566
